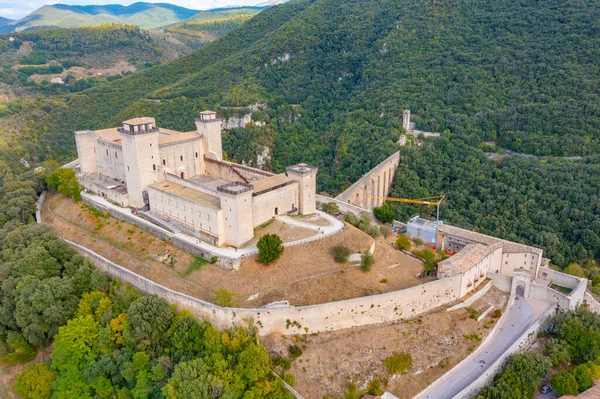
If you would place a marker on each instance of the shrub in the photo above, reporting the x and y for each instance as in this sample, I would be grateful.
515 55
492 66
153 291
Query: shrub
289 379
224 298
564 383
331 208
385 231
583 376
366 262
417 241
402 242
341 253
213 260
22 351
36 381
352 219
371 230
384 213
398 363
295 351
270 247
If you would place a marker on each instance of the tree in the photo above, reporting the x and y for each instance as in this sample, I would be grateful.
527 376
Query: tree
575 270
74 344
270 248
341 253
583 376
65 182
564 383
36 381
384 213
253 364
149 319
331 208
402 242
193 380
43 306
22 351
558 352
366 262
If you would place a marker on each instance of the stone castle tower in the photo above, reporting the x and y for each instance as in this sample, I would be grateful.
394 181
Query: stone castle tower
139 138
209 128
406 120
306 176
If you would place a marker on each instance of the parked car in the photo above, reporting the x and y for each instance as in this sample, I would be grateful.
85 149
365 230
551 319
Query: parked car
546 389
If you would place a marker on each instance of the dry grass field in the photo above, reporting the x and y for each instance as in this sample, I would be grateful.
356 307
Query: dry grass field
305 274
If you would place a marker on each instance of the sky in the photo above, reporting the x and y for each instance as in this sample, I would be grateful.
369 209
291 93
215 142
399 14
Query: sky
15 9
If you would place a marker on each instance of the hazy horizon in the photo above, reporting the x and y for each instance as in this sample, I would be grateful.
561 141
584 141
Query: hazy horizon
15 9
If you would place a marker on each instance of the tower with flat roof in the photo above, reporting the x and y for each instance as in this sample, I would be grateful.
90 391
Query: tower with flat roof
209 127
306 176
139 140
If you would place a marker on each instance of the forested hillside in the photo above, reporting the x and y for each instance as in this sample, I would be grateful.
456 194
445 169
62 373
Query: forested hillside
145 15
335 78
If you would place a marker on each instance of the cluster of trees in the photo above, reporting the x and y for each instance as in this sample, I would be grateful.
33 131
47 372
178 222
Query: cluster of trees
551 203
574 340
109 341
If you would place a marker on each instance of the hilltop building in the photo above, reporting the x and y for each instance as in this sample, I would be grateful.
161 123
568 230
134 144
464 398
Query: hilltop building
182 178
475 254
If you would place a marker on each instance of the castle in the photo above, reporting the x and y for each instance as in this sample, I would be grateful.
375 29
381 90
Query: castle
182 179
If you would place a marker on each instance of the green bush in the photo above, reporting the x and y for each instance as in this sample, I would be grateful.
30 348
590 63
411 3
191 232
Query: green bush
36 381
213 260
341 253
417 241
402 242
384 213
366 262
564 383
398 363
294 351
224 298
22 351
289 379
270 248
385 231
331 208
352 219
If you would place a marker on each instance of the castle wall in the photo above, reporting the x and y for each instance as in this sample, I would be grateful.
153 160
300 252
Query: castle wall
392 306
377 182
109 159
140 156
519 260
86 150
285 199
206 222
178 158
225 170
237 220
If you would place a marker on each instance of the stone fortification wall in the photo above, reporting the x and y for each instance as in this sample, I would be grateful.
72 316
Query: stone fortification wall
377 182
503 283
124 215
591 302
290 320
234 172
521 344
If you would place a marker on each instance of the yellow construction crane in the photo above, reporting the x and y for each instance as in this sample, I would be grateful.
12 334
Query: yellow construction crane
429 201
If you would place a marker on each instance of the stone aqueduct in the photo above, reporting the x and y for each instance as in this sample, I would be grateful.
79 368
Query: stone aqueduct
376 183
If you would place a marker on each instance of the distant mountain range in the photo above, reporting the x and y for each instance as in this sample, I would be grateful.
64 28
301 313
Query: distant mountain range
145 15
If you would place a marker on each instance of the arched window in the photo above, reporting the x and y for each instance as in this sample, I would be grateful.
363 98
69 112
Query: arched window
196 155
181 157
153 166
164 162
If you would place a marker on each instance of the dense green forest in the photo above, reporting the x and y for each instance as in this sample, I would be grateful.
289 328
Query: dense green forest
108 340
551 203
335 78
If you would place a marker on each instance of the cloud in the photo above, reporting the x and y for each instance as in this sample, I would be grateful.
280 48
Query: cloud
18 8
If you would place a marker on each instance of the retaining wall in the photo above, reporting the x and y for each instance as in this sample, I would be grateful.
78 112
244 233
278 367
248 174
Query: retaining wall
392 306
593 305
503 283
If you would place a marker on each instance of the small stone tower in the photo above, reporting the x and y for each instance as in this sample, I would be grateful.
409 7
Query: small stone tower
406 120
236 203
209 127
86 150
139 139
306 176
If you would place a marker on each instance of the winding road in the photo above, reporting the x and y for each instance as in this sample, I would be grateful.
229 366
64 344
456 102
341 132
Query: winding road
519 317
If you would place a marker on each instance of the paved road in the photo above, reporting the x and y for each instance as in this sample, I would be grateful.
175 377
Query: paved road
518 319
